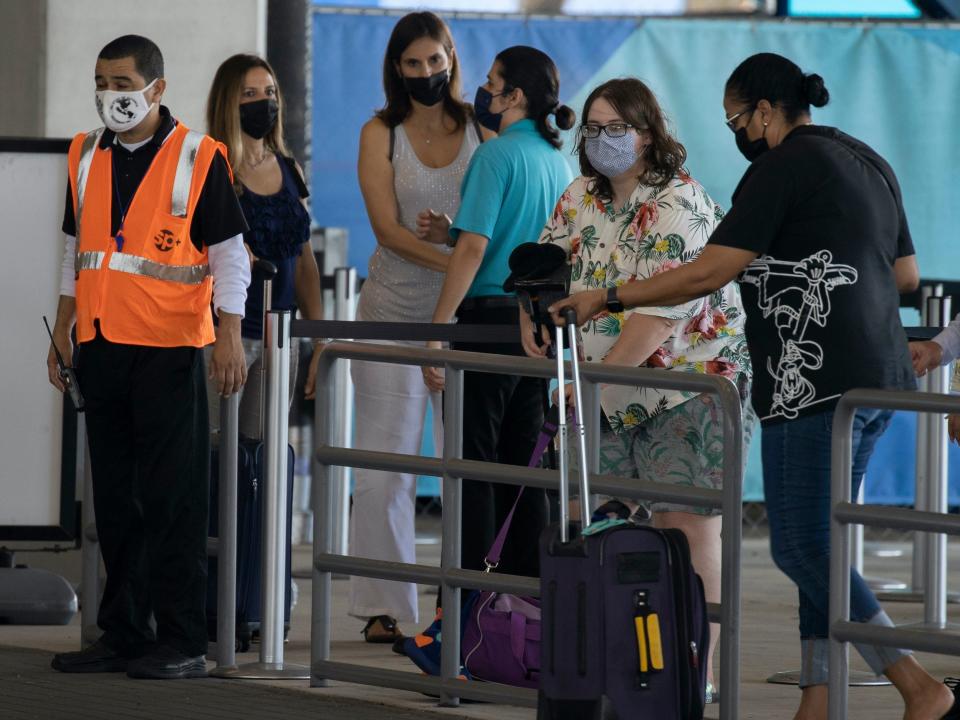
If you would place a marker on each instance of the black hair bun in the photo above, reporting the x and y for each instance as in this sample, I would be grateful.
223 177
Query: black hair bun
565 116
815 91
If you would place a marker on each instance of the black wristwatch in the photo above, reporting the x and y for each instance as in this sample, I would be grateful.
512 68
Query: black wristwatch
613 302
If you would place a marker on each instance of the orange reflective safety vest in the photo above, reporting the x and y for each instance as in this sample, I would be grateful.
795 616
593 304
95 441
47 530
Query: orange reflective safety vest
157 290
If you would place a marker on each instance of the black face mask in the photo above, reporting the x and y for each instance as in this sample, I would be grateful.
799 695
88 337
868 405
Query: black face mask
481 108
258 118
751 149
428 90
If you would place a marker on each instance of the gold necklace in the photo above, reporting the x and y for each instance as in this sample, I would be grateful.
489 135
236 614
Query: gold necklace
426 134
258 163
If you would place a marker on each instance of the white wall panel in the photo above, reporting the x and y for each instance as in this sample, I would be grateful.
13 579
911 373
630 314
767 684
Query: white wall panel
195 36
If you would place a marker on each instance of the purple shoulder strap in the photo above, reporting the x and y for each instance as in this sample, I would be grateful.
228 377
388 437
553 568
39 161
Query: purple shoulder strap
547 433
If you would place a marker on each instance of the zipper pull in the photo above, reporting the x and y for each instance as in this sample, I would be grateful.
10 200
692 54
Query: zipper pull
694 656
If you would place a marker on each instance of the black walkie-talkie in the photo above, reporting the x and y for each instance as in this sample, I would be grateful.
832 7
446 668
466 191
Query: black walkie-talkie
66 373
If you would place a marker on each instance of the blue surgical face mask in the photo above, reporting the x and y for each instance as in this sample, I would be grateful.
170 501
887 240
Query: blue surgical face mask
612 157
481 108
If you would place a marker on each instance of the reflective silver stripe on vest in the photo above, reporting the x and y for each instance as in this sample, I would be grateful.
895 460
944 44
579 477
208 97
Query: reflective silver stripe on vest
136 265
90 143
180 197
89 261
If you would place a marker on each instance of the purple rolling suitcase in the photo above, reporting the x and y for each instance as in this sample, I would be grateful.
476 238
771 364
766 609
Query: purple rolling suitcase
624 619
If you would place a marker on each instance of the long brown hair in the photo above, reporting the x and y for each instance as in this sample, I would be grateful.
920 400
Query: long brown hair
223 108
638 106
410 28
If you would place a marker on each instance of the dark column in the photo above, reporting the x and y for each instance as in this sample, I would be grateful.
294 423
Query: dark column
289 52
23 57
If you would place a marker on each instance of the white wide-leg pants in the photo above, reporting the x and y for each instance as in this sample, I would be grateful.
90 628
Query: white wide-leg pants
390 407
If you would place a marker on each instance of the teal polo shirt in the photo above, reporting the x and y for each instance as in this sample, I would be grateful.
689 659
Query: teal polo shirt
510 189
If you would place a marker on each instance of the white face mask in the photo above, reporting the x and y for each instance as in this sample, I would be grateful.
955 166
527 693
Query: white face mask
123 110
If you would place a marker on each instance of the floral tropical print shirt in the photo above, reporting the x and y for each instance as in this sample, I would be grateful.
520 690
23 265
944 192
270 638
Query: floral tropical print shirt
658 229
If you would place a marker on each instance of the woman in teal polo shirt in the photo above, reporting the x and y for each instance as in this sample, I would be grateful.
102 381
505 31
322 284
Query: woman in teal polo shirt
508 193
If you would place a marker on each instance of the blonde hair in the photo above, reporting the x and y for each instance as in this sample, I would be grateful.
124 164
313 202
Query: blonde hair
223 109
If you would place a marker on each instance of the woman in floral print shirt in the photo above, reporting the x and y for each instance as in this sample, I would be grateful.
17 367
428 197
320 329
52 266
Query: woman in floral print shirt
634 213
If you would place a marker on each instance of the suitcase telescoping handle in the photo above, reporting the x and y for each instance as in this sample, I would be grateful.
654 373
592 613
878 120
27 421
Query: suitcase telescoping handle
268 271
570 323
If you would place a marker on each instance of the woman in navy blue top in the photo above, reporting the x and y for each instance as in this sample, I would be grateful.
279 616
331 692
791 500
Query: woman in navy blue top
244 112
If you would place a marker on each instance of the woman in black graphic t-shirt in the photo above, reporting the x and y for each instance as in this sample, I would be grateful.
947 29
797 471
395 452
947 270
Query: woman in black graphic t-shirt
819 239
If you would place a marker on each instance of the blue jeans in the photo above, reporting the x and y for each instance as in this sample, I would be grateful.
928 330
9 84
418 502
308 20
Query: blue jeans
796 481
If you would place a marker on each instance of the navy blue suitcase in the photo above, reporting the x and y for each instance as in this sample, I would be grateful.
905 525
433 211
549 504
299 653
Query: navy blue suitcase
249 541
624 621
594 590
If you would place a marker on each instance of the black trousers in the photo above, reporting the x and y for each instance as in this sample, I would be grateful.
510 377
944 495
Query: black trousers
149 448
502 416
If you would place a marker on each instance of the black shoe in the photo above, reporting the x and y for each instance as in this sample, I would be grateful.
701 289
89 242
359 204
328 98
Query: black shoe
166 663
954 685
98 658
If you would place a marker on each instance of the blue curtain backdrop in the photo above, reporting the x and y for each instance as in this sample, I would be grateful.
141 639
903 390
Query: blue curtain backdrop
897 87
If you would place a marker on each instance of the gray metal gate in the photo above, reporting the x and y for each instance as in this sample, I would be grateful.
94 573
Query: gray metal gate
846 513
452 467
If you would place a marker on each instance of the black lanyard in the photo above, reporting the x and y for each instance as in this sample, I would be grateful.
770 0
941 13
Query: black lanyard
124 207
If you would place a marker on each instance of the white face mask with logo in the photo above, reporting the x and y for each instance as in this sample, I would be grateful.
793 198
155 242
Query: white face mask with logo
123 110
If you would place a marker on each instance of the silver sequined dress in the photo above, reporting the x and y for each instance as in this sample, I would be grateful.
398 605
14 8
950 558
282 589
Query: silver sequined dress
397 290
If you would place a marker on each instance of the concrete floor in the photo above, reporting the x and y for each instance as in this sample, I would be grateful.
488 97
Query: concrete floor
28 689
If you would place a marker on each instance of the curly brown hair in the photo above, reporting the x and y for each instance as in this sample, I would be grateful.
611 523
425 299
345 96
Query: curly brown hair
638 106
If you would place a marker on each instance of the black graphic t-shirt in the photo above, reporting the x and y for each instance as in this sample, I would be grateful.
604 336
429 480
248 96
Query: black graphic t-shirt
825 215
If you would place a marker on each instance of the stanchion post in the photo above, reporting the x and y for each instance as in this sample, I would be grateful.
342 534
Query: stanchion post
274 573
841 476
935 496
730 541
90 546
450 553
344 308
324 425
274 492
918 581
227 534
856 535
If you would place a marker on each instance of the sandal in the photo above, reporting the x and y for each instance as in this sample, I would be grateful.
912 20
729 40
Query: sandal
388 633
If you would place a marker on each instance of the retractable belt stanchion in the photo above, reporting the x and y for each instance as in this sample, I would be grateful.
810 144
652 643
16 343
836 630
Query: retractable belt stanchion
226 543
273 589
915 592
90 547
933 496
345 308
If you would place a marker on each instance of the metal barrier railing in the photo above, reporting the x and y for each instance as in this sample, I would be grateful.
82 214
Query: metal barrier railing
846 513
451 467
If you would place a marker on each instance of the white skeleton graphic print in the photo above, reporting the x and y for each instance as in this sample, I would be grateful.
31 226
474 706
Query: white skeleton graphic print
796 294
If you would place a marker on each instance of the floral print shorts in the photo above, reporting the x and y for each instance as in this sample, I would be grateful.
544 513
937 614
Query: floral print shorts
682 446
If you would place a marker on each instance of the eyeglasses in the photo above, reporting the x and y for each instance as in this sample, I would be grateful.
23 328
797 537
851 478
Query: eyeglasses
612 130
731 121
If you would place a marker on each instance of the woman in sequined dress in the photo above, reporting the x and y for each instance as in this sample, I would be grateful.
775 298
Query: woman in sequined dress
413 154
